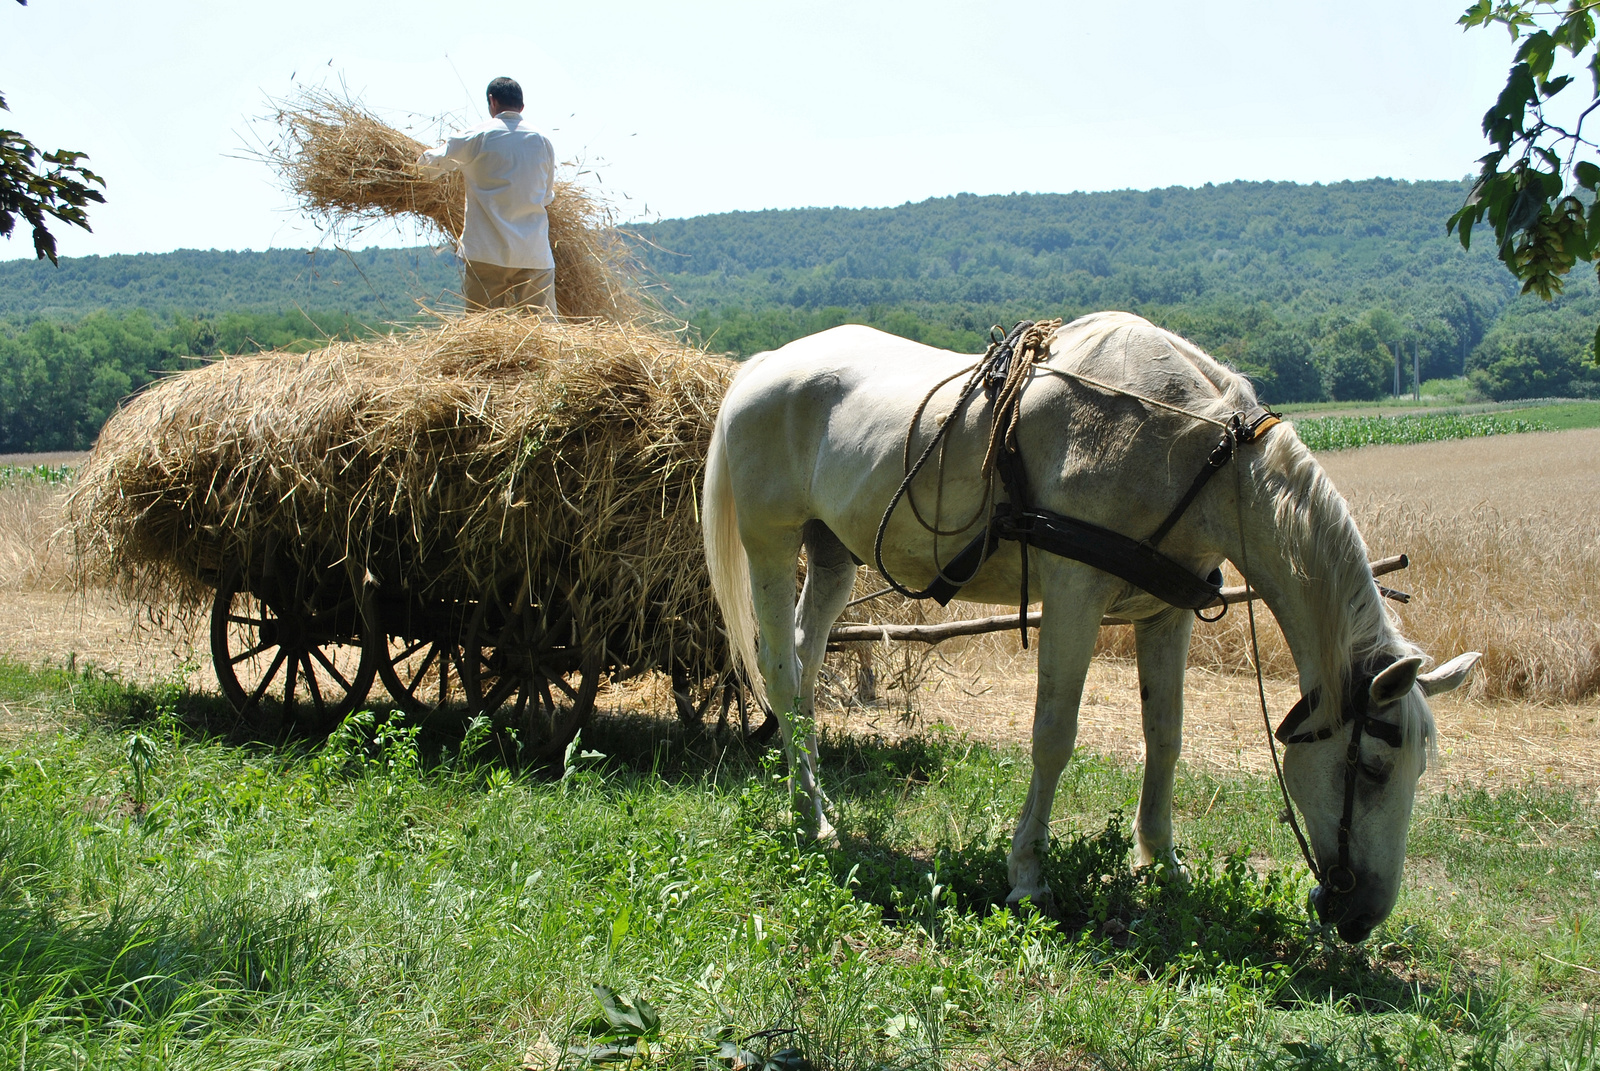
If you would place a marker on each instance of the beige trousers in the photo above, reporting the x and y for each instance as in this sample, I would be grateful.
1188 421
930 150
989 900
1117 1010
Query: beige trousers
490 286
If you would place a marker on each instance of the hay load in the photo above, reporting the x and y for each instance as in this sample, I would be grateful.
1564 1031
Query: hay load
551 466
348 168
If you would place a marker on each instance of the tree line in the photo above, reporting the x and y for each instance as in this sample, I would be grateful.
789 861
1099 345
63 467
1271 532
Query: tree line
1341 355
1310 290
61 380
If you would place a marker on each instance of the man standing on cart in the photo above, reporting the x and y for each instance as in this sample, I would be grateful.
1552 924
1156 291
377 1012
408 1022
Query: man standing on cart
509 170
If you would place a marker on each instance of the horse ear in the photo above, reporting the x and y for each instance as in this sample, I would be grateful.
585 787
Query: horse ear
1395 681
1448 677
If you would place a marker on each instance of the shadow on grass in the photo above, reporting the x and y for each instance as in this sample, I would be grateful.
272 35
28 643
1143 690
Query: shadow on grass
133 964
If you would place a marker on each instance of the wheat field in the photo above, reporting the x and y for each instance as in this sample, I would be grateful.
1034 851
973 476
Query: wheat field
1504 539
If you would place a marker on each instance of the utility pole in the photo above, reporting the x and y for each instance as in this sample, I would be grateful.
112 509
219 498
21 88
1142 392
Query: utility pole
1416 372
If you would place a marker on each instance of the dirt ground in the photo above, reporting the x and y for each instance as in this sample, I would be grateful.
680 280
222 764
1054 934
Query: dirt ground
1488 743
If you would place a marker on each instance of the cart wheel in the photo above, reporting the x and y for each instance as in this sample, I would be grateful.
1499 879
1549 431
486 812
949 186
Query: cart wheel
289 649
420 664
516 668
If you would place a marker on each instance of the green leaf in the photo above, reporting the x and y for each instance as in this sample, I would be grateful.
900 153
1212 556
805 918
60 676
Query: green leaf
627 1017
619 927
1555 85
1525 211
1587 174
1503 122
1538 51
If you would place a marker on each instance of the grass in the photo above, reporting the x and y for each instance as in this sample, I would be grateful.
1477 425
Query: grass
173 898
1565 416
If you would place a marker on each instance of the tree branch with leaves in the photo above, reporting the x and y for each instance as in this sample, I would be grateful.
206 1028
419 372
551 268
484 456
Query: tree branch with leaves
1537 186
40 186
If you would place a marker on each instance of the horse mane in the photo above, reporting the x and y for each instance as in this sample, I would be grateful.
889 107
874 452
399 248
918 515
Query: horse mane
1314 523
1327 553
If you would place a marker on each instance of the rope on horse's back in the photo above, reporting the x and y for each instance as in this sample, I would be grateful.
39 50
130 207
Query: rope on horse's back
1005 385
1002 375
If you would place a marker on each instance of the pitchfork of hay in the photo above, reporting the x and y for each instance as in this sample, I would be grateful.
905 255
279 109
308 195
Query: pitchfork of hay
493 449
347 169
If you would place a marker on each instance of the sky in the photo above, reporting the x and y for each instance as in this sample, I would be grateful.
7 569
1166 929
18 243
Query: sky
689 108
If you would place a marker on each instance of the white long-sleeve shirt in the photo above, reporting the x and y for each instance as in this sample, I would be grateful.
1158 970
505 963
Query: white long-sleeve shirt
510 171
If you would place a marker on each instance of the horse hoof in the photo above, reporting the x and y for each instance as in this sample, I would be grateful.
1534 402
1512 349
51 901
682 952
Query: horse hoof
1041 902
1165 869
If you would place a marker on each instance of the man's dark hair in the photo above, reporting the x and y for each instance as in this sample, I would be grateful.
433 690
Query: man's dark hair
506 92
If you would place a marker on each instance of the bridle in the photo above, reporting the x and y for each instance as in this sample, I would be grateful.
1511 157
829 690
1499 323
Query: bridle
1339 878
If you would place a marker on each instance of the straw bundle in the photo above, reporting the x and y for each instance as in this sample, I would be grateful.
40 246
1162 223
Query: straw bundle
452 460
348 168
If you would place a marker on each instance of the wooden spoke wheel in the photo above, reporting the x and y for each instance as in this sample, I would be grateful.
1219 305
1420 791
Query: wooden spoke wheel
289 648
420 656
521 667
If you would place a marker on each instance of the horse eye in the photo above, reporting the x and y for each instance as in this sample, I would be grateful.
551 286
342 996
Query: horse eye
1376 773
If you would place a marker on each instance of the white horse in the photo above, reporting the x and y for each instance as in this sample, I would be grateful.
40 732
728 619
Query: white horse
809 448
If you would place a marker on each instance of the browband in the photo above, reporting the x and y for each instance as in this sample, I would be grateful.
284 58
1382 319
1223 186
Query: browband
1386 731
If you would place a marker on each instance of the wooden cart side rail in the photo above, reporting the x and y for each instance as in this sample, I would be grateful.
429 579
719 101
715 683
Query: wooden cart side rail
947 630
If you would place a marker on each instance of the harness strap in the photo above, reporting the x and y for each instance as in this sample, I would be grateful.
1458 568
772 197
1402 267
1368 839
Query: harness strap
1007 376
1244 428
1112 552
1136 561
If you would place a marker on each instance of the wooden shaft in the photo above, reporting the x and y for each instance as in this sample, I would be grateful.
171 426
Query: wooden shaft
947 630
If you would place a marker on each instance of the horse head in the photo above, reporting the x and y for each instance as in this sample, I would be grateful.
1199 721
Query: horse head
1355 781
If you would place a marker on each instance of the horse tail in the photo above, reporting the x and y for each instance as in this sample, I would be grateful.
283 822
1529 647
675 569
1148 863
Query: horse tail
726 560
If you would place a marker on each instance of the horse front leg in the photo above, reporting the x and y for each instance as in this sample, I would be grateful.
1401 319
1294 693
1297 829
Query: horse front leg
1162 643
1074 600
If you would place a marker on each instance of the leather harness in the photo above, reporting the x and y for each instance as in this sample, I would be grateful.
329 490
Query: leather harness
1137 561
1140 563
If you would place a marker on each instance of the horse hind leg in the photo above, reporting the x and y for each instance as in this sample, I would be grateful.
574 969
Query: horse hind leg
774 560
830 578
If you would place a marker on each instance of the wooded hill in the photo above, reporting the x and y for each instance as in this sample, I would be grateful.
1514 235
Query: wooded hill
378 285
1307 288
